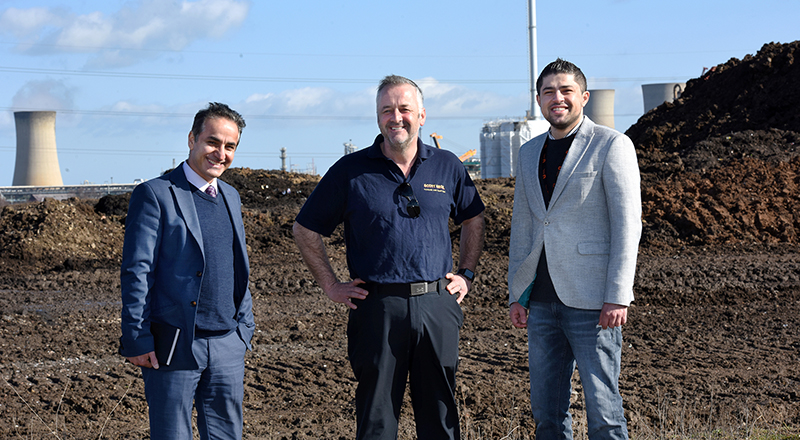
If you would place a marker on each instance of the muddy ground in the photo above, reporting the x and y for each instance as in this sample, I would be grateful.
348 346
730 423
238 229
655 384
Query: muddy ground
712 339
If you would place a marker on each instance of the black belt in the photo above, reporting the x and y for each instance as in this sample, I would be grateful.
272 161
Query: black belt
407 289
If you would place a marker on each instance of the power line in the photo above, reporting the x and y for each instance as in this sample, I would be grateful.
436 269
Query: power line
89 49
246 116
185 77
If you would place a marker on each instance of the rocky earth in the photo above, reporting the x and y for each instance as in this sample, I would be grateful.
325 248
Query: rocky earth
712 343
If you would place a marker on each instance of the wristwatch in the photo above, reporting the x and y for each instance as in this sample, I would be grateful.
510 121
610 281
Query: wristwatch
466 273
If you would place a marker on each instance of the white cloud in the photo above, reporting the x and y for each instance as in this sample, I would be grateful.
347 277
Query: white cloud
258 97
125 106
139 30
307 98
23 23
44 95
443 99
318 101
48 95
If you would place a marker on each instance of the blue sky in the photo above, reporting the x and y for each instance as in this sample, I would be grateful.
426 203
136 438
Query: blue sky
126 77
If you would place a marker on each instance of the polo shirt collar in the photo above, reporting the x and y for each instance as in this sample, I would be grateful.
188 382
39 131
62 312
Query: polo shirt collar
375 152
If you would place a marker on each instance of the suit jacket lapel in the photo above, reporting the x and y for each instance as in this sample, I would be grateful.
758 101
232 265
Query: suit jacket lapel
576 152
182 191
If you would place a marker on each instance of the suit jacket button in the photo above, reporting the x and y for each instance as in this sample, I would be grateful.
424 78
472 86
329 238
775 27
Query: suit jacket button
193 303
199 273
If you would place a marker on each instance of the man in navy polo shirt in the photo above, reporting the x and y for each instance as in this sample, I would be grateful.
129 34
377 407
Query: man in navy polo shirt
395 199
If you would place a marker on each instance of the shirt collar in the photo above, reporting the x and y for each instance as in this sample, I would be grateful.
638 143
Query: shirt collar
423 151
196 180
573 131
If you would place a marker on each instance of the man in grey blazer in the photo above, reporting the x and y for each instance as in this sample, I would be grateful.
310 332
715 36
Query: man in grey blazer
187 313
574 239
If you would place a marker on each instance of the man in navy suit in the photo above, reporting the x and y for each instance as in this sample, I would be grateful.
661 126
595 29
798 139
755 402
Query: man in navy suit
187 313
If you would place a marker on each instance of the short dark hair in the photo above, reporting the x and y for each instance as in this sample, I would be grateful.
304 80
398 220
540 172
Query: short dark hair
216 110
561 66
396 80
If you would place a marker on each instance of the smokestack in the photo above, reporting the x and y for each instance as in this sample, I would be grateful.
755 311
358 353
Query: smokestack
534 113
37 158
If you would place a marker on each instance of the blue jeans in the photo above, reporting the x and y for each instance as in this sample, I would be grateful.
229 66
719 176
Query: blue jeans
558 338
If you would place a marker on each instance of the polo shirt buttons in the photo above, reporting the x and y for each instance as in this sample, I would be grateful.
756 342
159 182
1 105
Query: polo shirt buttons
193 303
547 222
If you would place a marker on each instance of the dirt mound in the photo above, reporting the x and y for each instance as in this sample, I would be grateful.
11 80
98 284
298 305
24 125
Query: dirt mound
743 108
720 164
49 235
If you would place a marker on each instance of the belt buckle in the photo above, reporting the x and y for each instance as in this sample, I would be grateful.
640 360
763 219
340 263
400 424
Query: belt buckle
418 288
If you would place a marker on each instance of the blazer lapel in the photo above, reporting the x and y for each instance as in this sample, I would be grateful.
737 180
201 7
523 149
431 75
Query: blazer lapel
576 152
182 191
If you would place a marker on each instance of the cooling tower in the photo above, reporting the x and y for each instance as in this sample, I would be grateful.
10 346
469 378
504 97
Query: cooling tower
37 158
600 107
657 94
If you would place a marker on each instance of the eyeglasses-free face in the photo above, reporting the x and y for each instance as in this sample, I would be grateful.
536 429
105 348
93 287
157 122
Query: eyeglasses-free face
412 207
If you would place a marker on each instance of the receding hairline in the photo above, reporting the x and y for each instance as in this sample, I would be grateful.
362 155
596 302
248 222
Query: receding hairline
392 81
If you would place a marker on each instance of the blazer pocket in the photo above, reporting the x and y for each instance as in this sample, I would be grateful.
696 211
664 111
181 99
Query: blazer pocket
594 248
586 182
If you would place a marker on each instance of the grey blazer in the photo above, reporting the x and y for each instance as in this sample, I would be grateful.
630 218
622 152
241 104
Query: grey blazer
591 227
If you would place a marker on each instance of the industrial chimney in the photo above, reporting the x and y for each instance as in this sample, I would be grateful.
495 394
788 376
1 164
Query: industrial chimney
37 158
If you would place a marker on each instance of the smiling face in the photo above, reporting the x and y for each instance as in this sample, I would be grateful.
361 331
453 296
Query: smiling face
561 100
400 116
211 153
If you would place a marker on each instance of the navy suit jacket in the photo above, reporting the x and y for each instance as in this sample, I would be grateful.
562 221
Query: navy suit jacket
163 266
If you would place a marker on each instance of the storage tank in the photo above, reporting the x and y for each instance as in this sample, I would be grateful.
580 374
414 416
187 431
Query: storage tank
500 143
37 158
600 107
657 94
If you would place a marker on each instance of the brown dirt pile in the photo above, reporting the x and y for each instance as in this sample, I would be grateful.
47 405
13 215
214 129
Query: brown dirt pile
712 339
720 164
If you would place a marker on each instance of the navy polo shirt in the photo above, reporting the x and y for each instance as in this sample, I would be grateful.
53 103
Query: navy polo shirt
385 244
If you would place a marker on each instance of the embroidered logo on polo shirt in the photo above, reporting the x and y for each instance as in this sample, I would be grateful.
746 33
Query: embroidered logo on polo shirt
434 187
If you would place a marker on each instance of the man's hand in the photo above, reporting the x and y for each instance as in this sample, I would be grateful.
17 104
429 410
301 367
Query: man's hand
613 315
519 315
459 285
147 360
344 292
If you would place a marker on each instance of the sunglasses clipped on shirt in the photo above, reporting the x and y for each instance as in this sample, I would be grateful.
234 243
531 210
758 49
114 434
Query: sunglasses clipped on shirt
412 207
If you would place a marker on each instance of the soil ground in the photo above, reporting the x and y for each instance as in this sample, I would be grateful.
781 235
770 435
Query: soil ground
712 339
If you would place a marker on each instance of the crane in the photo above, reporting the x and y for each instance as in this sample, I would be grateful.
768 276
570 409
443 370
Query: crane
467 155
436 138
462 158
